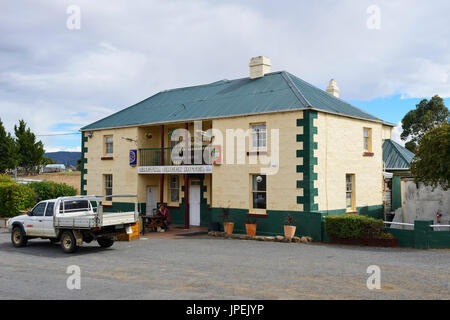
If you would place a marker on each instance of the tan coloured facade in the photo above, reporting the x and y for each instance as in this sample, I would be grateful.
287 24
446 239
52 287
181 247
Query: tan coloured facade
339 152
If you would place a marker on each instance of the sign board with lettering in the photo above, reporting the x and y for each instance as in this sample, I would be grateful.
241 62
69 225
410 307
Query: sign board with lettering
175 169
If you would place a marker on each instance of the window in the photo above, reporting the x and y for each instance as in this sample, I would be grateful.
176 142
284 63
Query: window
174 189
259 195
74 205
259 136
108 186
349 191
367 140
39 210
109 145
49 210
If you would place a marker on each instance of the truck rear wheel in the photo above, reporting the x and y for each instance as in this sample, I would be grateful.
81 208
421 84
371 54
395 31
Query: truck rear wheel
105 242
18 237
68 242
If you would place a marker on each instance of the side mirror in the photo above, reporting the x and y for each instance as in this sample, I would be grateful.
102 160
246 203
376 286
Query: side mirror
30 213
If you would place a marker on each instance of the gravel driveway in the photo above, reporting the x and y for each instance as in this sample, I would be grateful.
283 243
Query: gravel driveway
215 268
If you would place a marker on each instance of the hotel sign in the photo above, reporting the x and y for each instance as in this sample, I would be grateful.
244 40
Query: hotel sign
175 169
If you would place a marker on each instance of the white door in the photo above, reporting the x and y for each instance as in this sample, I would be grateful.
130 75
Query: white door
194 205
152 200
35 222
47 221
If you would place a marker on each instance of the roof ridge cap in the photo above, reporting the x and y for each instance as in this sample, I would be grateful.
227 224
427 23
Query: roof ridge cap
343 101
295 90
396 146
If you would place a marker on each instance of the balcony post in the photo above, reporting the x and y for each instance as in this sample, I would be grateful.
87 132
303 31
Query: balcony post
161 180
186 181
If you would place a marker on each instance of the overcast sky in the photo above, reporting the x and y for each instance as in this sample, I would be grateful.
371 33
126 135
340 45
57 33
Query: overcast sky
58 79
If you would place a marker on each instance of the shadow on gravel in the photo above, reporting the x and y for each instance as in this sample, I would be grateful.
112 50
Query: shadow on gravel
47 249
366 248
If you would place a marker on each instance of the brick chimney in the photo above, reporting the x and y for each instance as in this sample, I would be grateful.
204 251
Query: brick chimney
259 66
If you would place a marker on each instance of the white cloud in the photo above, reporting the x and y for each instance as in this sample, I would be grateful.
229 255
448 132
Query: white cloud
125 53
396 132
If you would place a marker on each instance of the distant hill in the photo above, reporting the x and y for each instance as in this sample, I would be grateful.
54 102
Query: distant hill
64 157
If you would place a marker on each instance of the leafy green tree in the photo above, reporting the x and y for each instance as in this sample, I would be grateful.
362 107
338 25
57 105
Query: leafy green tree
8 153
431 164
79 165
427 115
31 153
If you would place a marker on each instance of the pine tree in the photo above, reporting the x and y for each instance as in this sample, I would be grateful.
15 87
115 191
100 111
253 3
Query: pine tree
31 153
8 153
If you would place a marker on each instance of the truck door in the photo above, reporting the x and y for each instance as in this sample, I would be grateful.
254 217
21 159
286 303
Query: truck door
47 221
34 222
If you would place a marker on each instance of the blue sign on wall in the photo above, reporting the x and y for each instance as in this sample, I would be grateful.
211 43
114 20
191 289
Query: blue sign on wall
133 157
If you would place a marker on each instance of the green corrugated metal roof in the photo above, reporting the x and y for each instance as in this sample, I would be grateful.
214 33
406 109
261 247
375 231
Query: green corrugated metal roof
277 91
395 156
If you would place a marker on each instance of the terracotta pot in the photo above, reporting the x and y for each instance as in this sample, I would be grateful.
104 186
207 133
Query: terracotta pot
289 231
228 227
250 229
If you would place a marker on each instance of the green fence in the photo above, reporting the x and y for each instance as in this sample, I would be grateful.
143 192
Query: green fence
422 237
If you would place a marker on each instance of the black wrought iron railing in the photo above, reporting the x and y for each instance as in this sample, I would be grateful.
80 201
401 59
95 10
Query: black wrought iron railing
152 157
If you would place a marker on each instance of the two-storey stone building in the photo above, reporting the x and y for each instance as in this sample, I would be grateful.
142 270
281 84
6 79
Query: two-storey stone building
279 145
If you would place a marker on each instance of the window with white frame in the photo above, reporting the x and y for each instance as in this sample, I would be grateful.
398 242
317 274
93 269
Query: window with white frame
108 180
259 136
109 145
174 188
259 191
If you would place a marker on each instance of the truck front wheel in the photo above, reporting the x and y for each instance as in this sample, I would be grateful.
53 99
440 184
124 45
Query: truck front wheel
105 242
68 242
18 237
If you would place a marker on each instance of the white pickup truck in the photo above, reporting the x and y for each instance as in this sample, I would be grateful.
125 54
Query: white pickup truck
71 221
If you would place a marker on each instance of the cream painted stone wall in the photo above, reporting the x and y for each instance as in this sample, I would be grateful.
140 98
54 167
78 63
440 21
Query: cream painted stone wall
340 152
124 175
231 182
387 132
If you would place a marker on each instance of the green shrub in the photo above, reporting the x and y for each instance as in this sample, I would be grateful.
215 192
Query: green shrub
14 198
51 190
5 178
351 226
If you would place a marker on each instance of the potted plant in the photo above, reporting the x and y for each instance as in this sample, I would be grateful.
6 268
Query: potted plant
226 218
250 227
289 228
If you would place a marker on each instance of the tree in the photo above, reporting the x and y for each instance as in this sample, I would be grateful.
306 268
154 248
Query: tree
79 164
431 164
8 153
31 153
426 116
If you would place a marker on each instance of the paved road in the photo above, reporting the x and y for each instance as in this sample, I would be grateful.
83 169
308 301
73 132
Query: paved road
213 268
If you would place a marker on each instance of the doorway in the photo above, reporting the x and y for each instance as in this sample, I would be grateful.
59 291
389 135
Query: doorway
194 203
152 199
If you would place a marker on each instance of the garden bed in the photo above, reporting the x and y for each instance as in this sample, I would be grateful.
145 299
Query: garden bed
365 242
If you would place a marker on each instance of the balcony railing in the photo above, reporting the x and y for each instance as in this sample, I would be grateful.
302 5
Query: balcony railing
152 157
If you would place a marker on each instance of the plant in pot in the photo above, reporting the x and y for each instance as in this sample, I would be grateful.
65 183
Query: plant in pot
289 228
250 227
228 225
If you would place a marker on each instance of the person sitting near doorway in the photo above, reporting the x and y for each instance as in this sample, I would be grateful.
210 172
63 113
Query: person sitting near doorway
165 213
